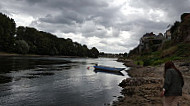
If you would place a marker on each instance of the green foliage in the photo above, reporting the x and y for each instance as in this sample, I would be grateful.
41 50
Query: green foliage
21 47
94 52
175 49
125 54
183 50
170 51
177 52
32 41
7 32
168 44
139 62
150 61
44 43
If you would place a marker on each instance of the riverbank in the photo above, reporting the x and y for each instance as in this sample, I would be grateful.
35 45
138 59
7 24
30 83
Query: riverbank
34 55
145 85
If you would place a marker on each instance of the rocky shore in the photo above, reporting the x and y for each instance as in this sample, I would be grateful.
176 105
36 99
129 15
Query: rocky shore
145 85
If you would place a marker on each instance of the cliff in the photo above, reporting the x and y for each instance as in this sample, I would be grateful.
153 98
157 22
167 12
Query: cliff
181 30
156 49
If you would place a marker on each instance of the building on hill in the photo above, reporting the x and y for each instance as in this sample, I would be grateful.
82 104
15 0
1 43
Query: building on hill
167 34
179 32
150 42
149 35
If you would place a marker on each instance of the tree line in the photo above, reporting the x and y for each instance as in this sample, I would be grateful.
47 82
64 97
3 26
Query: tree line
26 40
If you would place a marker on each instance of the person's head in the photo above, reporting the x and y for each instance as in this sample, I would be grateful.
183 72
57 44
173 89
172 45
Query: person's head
169 65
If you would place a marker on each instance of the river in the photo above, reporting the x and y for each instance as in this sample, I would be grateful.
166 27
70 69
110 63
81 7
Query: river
55 81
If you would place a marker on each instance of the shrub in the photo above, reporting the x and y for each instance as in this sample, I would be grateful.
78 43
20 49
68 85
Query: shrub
21 47
158 62
169 52
139 62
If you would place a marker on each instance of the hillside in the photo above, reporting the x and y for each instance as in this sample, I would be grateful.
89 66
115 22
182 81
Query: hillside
147 68
174 45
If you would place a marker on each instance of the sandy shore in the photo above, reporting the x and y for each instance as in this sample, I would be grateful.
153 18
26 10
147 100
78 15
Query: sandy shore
145 85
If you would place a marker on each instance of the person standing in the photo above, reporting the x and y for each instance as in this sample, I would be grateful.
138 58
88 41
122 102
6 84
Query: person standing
173 84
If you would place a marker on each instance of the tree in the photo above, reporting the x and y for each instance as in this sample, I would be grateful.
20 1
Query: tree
7 32
21 47
125 54
94 52
29 40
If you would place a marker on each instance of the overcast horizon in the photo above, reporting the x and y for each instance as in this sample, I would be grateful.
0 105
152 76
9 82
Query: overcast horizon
112 26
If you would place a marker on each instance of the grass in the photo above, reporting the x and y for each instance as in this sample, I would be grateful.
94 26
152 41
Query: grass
139 62
168 53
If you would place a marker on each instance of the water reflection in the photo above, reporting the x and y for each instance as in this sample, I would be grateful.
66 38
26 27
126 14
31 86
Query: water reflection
8 64
57 82
13 64
5 79
109 72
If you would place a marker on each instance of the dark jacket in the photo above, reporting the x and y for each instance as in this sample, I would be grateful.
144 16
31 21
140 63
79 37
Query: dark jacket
173 83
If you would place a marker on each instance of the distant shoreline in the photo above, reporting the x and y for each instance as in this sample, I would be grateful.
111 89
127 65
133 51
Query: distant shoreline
34 55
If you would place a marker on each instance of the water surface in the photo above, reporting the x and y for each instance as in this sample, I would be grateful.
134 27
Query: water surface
51 81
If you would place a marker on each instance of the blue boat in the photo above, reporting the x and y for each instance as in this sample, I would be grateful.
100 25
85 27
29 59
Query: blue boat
106 68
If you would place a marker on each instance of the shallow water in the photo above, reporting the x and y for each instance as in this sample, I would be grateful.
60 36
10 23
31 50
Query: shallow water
50 81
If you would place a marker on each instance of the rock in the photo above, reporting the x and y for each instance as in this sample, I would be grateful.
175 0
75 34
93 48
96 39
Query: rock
145 85
184 64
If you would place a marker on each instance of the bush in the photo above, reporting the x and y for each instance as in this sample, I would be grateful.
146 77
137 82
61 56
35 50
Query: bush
139 62
176 52
183 49
158 62
169 51
167 44
21 47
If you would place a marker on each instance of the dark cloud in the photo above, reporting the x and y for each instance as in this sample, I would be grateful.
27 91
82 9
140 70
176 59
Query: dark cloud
173 8
34 1
81 10
102 19
68 17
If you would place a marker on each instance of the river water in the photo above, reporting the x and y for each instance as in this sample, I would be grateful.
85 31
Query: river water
54 81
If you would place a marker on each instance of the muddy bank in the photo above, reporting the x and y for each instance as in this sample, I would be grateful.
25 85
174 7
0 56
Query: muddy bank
145 85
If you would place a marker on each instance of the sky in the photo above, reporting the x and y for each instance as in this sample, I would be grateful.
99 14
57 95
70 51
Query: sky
112 26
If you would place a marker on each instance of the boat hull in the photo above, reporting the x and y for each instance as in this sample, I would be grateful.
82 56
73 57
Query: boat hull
105 68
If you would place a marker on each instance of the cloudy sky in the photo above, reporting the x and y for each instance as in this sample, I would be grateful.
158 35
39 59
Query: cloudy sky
113 26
